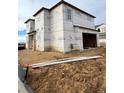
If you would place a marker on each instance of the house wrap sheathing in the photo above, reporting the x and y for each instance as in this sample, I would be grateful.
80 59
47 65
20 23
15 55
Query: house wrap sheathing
63 27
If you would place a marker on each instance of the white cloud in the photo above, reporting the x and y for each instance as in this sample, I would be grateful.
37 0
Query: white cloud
28 7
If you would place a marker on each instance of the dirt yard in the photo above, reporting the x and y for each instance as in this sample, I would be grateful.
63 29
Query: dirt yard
76 77
29 57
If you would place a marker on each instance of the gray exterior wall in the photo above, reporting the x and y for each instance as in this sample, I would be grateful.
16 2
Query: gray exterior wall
73 35
102 34
102 38
49 27
30 26
39 27
47 34
56 26
78 18
102 28
54 31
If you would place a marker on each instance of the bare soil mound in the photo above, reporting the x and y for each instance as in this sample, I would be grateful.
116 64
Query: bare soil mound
77 77
30 57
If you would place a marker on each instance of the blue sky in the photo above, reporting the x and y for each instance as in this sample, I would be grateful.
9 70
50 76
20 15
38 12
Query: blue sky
28 7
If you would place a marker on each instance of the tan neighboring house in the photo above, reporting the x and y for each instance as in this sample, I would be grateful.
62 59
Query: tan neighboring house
63 27
102 33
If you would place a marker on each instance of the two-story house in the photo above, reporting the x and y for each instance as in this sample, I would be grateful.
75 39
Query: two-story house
102 34
63 27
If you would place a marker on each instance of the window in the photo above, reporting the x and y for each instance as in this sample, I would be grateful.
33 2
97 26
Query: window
69 17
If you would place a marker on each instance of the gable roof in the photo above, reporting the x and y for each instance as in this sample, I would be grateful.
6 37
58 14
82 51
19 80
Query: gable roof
99 25
66 3
32 32
43 8
29 20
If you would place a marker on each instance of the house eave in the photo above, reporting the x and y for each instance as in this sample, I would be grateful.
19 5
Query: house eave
29 20
43 8
99 25
85 28
32 32
62 2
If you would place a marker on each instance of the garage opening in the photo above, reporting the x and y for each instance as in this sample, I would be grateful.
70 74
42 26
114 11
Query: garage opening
89 40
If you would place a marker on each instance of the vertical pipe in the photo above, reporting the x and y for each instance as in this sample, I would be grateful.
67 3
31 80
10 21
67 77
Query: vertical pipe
26 73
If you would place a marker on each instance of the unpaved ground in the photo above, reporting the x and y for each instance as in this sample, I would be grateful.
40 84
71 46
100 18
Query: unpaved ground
29 57
76 77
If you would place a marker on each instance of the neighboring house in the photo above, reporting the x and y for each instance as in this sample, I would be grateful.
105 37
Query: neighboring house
63 27
101 27
102 33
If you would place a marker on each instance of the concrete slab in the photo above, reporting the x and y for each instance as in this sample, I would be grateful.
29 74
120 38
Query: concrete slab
21 87
53 62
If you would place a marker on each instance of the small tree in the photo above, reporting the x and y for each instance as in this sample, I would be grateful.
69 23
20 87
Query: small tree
98 30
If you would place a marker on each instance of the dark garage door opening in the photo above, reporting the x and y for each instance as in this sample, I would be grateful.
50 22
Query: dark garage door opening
89 40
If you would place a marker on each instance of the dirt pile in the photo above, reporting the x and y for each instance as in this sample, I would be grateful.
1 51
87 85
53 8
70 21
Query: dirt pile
77 77
29 57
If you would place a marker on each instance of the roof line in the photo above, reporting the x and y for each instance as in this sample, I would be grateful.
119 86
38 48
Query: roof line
85 28
29 20
43 8
64 2
99 24
31 32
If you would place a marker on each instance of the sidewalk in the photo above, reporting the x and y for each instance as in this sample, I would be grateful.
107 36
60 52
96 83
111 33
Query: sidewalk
21 87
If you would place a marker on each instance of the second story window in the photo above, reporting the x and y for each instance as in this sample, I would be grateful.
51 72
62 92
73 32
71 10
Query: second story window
69 14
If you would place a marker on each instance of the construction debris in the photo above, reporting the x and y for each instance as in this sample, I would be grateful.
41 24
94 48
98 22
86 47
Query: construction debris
75 77
87 76
32 57
66 60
